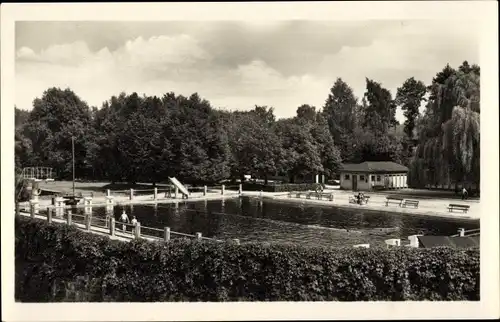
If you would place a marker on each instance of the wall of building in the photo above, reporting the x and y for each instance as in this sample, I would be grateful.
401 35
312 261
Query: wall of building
367 182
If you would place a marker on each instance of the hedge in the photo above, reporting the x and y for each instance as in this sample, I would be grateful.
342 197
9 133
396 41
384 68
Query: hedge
55 262
279 187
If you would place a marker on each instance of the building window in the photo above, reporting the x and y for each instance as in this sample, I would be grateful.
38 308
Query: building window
373 178
361 177
378 178
346 177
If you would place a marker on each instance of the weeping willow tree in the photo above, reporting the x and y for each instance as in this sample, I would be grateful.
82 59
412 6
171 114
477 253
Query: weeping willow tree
449 132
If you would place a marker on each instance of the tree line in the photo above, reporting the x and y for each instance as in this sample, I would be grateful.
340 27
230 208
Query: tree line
147 138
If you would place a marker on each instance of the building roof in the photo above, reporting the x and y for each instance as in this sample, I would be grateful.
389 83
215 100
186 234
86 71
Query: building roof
373 167
456 242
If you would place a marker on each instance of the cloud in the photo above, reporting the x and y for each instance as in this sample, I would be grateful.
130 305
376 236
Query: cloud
98 75
235 65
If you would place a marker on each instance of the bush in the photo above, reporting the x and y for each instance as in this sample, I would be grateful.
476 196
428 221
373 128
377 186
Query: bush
55 262
286 187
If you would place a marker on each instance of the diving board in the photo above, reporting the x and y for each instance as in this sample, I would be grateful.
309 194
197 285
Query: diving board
179 186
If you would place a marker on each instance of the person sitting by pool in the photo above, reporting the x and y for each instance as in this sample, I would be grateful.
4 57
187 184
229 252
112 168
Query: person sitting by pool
361 198
124 218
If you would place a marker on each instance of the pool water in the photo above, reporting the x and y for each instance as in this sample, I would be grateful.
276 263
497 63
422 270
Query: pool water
273 221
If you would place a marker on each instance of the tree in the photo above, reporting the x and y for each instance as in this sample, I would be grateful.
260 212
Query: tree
409 96
20 117
329 153
448 133
380 113
200 149
56 117
340 111
264 113
254 144
300 154
306 112
307 145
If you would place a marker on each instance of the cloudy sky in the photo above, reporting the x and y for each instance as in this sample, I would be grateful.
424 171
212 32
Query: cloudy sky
235 65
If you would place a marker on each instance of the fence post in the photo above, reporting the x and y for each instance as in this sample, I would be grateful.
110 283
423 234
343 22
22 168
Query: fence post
461 232
137 230
166 234
109 201
18 210
49 215
32 211
108 193
35 204
176 192
112 226
131 194
69 218
222 189
156 194
204 190
240 189
198 236
87 222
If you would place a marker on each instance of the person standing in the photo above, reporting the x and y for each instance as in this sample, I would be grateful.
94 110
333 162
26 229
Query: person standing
124 219
464 193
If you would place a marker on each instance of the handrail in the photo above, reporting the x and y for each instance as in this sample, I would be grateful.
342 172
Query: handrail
469 233
182 234
151 228
212 239
76 206
77 215
151 236
232 187
116 224
196 188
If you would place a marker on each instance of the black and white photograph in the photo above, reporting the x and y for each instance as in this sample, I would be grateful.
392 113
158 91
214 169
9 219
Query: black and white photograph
177 154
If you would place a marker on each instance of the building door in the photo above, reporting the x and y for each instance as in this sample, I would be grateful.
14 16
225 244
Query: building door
354 182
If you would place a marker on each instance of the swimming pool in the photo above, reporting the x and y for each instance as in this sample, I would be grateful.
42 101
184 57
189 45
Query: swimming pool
265 220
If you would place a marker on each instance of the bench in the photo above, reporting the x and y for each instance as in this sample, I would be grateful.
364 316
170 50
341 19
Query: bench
397 200
464 208
409 202
309 194
300 194
328 195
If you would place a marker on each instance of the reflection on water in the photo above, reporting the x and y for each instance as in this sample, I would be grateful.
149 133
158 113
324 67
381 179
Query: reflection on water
256 220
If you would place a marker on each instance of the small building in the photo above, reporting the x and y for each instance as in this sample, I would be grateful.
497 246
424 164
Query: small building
373 175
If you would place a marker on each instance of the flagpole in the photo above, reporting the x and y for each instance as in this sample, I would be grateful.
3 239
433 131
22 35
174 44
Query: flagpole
73 150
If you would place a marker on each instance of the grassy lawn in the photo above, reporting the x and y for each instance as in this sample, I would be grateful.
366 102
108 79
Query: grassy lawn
98 188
